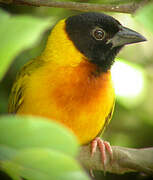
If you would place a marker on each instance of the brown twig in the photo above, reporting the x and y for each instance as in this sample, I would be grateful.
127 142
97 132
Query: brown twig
123 8
124 160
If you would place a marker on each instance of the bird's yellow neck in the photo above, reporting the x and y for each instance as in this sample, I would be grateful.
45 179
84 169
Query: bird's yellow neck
54 51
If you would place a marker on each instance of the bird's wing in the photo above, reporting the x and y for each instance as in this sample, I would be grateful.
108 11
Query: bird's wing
17 92
16 96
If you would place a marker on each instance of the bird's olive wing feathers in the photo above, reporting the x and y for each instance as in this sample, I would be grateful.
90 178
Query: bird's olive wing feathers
107 120
16 96
17 93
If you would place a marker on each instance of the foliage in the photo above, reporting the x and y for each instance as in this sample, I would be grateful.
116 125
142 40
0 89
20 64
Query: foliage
146 17
36 149
17 34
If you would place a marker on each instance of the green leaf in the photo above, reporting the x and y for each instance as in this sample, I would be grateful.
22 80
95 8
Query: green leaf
145 17
11 169
18 33
44 164
6 152
26 132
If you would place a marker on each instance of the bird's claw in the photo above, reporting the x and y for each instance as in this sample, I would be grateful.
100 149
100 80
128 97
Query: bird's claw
103 146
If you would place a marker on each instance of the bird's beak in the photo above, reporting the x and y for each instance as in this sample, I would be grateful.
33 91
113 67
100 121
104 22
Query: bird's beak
126 36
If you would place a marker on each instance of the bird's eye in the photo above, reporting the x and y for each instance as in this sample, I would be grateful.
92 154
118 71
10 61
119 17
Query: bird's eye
98 33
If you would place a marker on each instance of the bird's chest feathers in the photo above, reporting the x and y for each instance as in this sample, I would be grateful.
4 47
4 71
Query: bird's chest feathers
80 89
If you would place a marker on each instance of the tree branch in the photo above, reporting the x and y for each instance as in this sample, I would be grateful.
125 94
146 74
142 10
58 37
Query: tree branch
123 8
124 160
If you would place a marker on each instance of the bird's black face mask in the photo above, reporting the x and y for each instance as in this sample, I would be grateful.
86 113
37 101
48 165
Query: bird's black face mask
99 37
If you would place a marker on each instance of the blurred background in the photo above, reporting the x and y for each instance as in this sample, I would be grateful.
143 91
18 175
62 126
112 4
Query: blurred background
132 73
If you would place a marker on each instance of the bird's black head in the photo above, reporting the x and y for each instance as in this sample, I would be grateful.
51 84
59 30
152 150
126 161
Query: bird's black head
99 37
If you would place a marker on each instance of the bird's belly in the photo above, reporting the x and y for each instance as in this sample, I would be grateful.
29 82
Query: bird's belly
85 121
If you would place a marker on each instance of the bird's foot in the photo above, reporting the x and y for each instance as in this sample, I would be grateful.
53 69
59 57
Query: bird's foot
103 146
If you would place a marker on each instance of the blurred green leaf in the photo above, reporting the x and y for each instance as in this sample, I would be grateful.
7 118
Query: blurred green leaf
27 132
43 164
145 16
18 33
37 149
6 152
11 169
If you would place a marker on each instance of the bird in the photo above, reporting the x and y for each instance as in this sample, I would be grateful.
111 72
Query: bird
70 82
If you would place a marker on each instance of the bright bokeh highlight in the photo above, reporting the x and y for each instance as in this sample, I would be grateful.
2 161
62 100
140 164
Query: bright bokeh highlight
128 80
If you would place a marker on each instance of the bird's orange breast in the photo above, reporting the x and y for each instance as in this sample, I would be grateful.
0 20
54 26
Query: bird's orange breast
81 89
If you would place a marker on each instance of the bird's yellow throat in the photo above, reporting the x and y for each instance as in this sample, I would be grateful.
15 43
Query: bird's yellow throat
60 49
